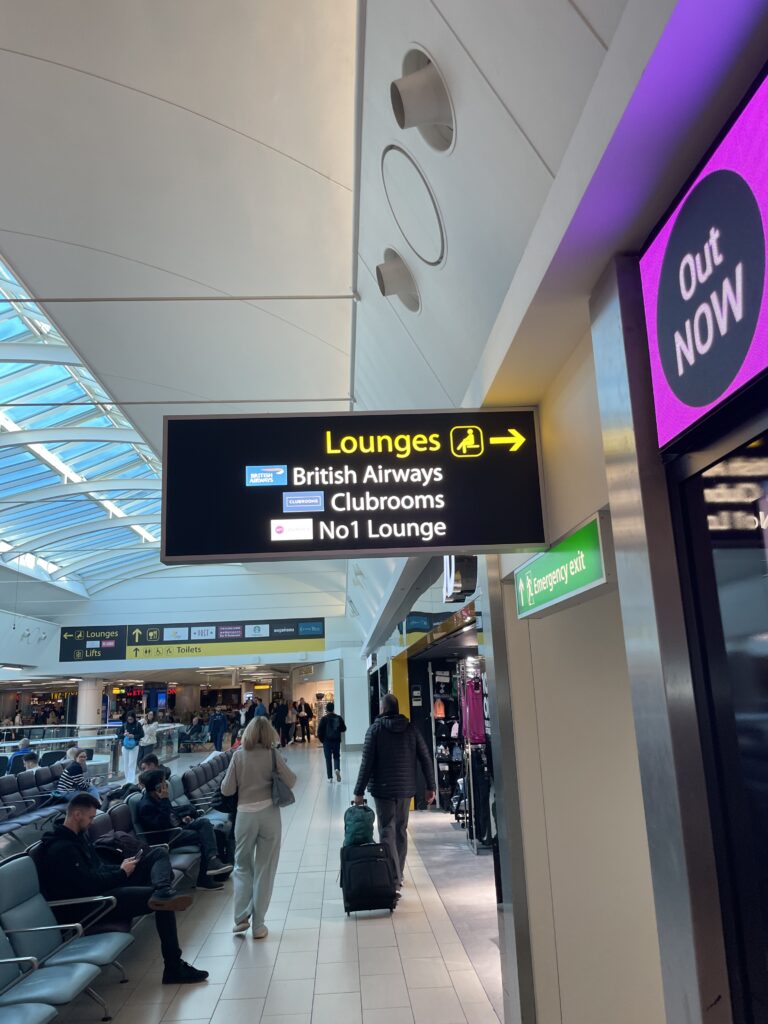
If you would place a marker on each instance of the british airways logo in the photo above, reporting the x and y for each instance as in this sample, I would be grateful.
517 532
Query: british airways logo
266 476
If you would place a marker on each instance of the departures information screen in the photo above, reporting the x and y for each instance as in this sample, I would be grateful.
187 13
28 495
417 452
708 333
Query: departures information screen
246 488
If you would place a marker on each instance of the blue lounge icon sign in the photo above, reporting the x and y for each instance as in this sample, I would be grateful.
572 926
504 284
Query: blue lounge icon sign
304 501
266 476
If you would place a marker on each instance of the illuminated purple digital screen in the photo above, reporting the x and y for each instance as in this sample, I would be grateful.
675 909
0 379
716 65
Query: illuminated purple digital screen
704 278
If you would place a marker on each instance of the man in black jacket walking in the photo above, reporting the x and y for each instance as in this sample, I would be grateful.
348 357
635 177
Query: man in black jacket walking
391 751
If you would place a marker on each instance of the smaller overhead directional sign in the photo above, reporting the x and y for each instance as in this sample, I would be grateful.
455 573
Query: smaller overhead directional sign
572 567
92 643
353 484
190 639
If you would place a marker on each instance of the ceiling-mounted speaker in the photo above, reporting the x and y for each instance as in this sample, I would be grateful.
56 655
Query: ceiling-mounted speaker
420 98
395 279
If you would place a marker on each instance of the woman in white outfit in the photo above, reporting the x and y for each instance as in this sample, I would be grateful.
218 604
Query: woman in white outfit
129 737
258 827
149 740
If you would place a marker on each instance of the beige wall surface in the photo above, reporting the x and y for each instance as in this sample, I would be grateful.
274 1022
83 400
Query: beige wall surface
593 925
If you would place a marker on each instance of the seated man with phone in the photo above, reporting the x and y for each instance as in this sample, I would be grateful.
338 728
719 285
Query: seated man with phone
70 867
161 822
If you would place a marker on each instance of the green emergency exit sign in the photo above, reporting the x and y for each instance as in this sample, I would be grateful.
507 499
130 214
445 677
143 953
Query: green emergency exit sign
572 567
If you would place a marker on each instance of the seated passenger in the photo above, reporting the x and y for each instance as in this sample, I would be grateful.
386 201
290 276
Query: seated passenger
75 777
150 762
157 816
31 761
197 729
70 867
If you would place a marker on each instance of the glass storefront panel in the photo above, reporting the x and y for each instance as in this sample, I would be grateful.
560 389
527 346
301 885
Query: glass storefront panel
727 511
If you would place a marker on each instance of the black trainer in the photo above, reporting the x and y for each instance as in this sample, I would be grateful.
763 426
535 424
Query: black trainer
217 867
182 973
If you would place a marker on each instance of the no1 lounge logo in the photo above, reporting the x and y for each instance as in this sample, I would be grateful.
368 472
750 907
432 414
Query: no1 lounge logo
711 288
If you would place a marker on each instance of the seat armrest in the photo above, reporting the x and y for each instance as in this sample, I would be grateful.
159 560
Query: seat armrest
31 960
107 903
164 831
77 928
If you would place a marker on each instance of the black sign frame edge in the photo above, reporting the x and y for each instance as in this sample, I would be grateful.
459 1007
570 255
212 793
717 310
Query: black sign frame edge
356 552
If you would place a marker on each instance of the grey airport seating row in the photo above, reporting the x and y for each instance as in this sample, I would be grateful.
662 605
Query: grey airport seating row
28 798
44 965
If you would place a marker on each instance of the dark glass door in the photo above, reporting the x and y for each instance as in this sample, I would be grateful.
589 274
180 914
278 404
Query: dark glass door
726 512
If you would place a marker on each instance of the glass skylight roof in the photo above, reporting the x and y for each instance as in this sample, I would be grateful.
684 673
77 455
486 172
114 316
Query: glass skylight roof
75 505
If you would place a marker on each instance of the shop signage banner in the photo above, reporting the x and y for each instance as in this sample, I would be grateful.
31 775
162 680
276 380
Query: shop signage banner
282 487
190 639
571 568
704 280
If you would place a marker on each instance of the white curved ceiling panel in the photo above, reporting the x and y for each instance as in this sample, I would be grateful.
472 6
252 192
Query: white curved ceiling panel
540 56
489 189
276 70
150 182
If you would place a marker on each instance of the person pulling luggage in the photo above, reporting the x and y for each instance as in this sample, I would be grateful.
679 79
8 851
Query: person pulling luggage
391 751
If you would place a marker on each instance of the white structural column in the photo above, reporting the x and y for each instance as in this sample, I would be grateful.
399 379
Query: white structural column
89 701
187 701
354 699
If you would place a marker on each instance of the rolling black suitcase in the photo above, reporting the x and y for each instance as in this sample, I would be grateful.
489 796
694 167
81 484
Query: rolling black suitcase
368 878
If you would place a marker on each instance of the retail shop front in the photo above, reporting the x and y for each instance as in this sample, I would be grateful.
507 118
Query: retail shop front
447 696
692 398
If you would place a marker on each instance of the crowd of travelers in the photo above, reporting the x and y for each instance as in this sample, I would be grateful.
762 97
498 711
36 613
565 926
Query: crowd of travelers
257 783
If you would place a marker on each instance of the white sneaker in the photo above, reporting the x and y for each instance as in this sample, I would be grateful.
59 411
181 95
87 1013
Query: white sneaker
241 926
338 775
260 933
331 781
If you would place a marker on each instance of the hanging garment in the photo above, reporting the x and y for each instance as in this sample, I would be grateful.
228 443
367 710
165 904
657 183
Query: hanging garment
473 714
438 708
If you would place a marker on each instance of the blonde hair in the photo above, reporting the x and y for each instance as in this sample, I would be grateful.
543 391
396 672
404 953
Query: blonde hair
259 733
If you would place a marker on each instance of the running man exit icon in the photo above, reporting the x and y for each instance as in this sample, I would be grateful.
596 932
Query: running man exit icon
467 442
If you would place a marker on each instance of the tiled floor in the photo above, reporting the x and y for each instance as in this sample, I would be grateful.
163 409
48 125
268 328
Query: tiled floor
317 966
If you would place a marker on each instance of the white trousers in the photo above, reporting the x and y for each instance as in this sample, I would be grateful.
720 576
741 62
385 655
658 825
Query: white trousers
257 851
128 759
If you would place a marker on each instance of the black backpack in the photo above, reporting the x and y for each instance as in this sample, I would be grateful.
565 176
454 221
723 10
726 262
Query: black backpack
332 728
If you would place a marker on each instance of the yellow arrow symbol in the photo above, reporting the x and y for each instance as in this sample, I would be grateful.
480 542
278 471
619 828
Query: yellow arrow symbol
68 636
514 439
136 634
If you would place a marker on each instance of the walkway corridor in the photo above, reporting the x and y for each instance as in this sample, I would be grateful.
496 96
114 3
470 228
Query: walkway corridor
317 966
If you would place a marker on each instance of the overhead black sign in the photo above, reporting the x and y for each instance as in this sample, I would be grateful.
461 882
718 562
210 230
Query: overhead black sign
180 639
92 643
279 487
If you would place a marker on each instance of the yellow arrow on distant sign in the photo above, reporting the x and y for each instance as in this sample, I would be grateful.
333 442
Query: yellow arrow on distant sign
514 439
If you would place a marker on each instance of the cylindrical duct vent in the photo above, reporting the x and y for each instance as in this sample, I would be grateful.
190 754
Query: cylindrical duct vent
394 278
420 98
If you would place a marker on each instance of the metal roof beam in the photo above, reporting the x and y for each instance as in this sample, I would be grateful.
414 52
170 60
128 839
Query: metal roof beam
97 557
38 353
147 571
73 435
56 492
47 543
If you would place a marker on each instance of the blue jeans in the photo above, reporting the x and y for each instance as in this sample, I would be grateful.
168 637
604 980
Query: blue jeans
73 792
